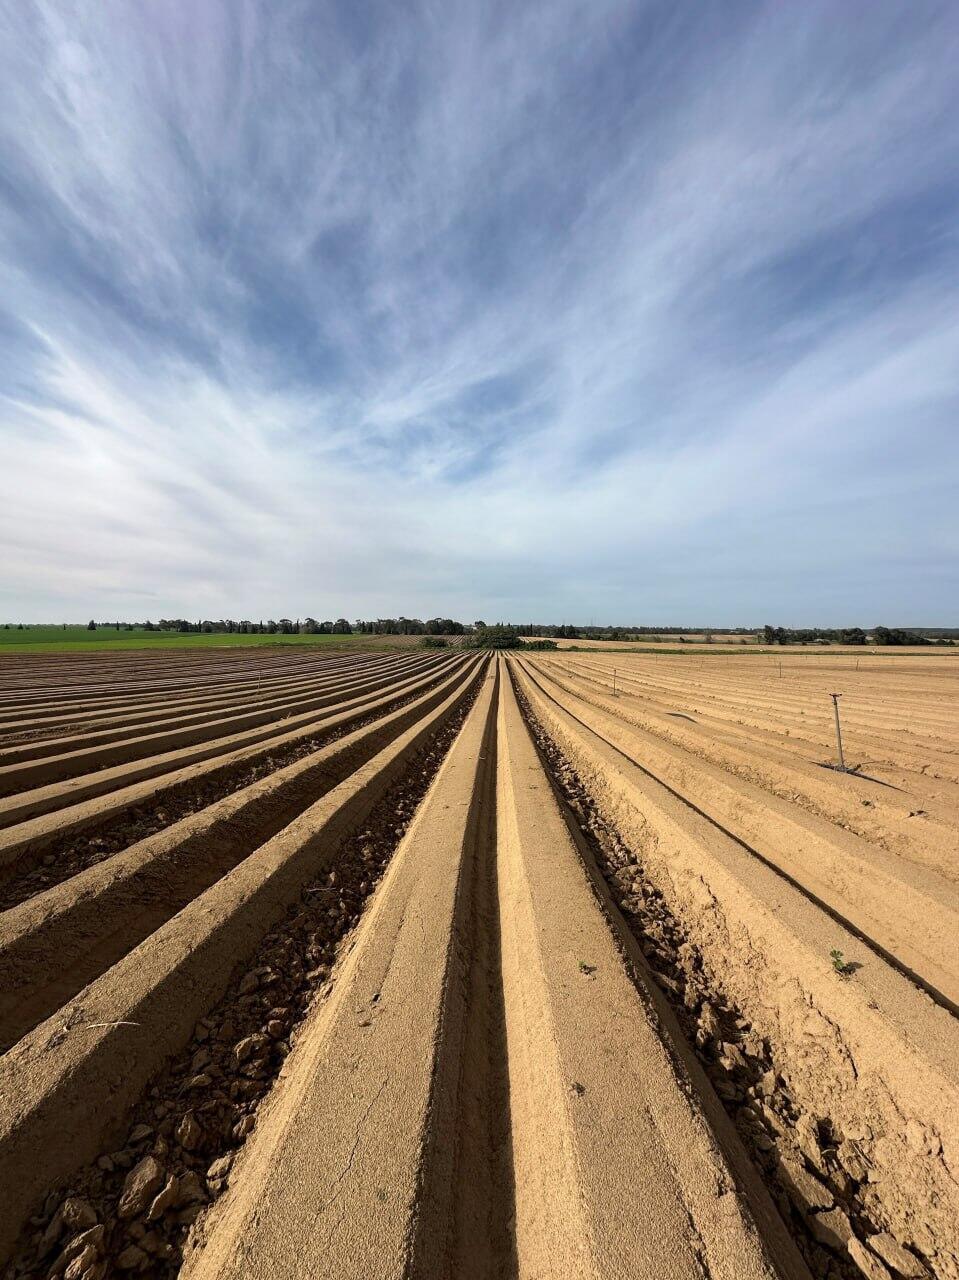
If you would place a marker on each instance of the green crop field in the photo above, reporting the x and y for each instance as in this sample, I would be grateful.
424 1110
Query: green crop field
55 639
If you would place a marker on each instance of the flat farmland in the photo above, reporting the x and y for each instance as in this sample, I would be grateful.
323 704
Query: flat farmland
52 640
445 964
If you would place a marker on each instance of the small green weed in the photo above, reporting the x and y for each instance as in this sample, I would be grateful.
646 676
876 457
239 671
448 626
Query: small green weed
840 963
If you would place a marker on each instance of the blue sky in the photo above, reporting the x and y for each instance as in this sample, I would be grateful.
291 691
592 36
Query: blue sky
597 311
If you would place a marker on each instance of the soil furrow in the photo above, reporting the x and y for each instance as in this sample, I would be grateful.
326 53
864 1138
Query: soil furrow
462 1225
142 1197
736 1058
377 1072
600 1098
197 679
58 943
868 1061
492 968
42 773
176 713
62 861
36 837
868 807
799 721
890 923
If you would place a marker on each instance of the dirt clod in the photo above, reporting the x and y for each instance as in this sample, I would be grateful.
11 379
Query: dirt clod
141 1184
188 1132
133 1258
894 1255
831 1229
164 1199
803 1189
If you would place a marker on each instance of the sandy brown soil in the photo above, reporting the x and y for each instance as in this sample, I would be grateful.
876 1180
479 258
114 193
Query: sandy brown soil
425 965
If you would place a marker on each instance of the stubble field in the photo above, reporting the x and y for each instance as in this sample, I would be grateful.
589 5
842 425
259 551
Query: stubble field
425 964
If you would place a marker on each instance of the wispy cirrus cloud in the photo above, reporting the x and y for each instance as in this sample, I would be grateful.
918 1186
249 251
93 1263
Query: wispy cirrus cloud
566 310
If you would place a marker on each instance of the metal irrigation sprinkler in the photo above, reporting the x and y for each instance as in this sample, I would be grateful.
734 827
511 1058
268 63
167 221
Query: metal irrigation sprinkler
835 707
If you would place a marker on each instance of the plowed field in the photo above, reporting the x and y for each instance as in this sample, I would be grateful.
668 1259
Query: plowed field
450 965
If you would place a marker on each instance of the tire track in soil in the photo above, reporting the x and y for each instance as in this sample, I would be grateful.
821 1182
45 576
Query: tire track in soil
815 1177
138 1207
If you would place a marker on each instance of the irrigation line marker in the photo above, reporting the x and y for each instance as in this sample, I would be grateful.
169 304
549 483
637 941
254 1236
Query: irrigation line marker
835 707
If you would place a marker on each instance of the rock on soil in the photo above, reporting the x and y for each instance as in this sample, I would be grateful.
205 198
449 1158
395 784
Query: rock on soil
141 1185
892 1252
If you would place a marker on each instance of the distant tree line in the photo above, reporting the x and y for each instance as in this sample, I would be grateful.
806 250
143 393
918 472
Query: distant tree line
411 627
312 627
524 630
813 635
502 636
272 627
851 635
566 631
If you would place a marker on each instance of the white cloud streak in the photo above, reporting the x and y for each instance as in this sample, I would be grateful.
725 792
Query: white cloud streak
561 310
